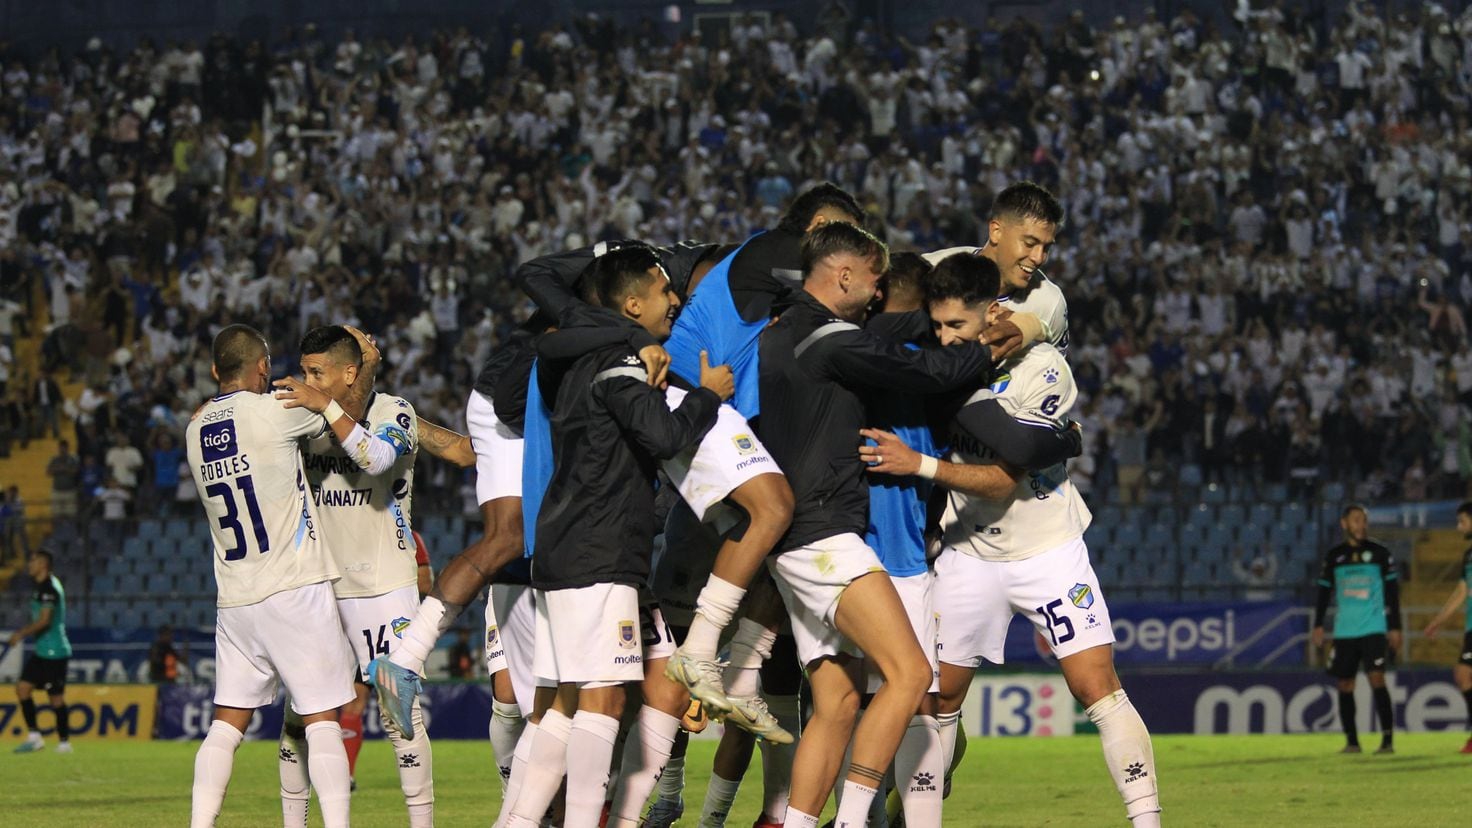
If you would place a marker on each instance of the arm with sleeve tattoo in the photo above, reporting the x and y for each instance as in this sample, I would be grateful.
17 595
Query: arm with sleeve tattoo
450 446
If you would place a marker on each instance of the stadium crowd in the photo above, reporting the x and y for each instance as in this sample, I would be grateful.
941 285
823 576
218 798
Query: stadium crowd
1267 255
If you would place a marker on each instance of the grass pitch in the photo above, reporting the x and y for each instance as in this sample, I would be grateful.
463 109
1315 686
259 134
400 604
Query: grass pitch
1294 781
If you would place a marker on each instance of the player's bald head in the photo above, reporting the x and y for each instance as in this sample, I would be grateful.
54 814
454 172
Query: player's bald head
236 348
335 342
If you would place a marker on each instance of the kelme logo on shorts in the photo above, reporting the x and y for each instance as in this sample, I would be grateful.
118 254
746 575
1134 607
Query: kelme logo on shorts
1081 596
626 639
744 443
400 624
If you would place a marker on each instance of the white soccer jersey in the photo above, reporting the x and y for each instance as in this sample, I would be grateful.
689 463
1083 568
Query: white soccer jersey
1042 298
246 461
1045 510
366 518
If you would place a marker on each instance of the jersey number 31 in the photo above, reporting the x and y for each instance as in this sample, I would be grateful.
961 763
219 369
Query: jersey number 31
230 521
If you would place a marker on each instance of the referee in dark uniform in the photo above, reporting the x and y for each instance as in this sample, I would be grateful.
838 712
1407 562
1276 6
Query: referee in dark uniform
1360 575
46 667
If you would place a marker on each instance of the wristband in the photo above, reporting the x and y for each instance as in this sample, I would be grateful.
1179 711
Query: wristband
928 467
333 412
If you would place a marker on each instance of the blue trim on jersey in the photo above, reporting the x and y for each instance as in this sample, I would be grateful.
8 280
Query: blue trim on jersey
712 323
897 504
536 464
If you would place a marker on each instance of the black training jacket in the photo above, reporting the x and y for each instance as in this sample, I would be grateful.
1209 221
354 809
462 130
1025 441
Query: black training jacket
610 429
815 369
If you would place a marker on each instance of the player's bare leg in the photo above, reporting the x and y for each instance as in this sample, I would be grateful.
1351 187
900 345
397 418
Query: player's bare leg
1127 750
397 678
767 502
871 616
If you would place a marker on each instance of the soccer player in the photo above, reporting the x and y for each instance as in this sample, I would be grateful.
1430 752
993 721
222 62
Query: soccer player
594 535
1025 219
815 362
1360 575
46 668
1460 597
1012 539
277 619
365 504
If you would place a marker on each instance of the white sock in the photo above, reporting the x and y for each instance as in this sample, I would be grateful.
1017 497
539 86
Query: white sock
645 753
1128 754
853 807
589 757
720 795
212 765
519 761
416 770
506 726
327 764
798 819
296 788
919 773
777 759
751 646
428 625
545 766
672 782
714 609
948 723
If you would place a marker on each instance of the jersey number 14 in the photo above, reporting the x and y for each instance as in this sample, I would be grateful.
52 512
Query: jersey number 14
230 521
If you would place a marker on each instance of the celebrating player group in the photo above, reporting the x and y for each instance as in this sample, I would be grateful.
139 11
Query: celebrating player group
714 478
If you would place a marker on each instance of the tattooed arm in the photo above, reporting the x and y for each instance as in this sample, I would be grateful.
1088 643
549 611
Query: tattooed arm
445 444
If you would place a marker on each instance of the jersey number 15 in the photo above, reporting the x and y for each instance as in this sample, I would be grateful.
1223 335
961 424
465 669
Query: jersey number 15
230 521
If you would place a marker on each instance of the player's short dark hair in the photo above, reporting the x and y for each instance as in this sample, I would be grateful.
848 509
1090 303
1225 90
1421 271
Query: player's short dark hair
1028 200
235 348
1351 509
800 213
46 556
335 341
964 276
841 237
907 272
616 275
1465 508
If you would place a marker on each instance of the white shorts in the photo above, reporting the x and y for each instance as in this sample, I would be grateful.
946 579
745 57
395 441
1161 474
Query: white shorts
292 638
917 593
1057 591
511 637
728 455
600 635
811 578
375 625
498 451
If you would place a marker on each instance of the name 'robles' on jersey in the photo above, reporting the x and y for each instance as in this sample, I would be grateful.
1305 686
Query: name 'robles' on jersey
366 518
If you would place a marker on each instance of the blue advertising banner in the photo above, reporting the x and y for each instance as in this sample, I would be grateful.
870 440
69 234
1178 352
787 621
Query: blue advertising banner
120 656
1233 634
451 711
1291 702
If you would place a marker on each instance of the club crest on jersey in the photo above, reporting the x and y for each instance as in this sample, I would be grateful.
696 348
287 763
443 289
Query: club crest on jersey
492 633
626 638
744 443
1081 596
399 625
1001 383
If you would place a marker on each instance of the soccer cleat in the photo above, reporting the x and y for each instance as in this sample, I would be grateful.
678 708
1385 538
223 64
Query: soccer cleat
750 713
695 720
1386 748
33 743
1467 748
64 747
663 813
702 679
396 689
1351 749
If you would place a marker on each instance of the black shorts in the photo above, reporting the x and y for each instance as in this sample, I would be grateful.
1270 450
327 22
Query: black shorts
1466 657
1350 655
47 674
